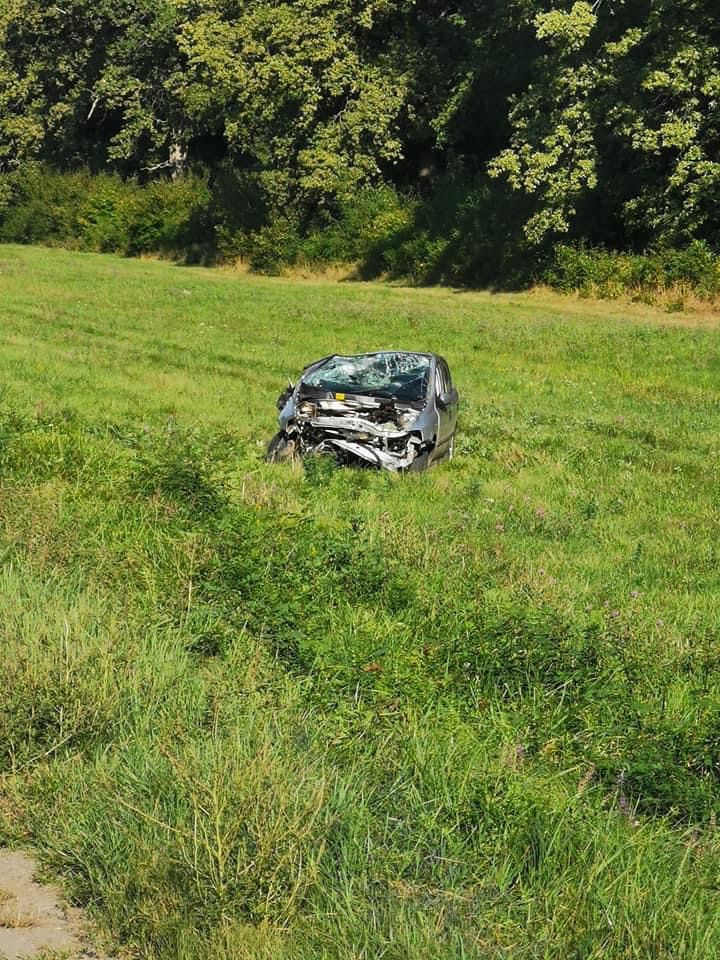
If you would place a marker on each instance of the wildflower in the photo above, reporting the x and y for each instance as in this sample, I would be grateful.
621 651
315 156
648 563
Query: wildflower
540 512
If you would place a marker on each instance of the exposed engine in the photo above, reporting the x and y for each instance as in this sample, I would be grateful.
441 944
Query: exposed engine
372 431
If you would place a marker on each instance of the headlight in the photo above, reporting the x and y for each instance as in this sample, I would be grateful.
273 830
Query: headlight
407 419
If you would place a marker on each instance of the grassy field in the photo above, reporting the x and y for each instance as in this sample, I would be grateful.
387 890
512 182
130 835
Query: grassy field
257 712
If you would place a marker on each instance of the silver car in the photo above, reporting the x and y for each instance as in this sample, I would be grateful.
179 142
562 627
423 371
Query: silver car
391 410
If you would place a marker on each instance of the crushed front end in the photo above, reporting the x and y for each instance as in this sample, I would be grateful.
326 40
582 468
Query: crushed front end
364 431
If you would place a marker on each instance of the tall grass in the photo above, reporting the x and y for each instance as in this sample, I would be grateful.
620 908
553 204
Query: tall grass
678 274
262 712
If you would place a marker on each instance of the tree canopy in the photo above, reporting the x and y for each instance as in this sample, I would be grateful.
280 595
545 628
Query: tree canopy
603 116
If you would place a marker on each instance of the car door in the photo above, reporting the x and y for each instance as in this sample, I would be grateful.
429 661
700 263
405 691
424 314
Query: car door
446 400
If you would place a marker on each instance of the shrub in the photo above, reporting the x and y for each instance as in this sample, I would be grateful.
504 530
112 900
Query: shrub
43 206
169 216
467 231
273 246
105 213
356 227
606 273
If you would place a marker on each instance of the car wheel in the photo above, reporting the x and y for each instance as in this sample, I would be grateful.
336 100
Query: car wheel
280 449
420 463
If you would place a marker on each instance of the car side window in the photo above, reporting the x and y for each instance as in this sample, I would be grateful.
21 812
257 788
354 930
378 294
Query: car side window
440 379
443 381
446 375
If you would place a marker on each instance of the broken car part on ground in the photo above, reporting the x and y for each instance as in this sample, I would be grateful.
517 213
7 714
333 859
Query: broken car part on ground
390 410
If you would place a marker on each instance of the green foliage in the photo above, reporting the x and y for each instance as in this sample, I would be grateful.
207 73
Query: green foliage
105 213
178 471
602 117
273 246
88 82
458 235
333 114
357 227
552 153
170 216
43 207
593 272
624 101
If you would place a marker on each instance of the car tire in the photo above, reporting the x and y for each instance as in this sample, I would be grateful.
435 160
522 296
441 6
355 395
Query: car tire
420 463
280 449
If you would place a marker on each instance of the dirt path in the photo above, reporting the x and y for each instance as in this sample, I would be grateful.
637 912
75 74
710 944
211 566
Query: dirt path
33 919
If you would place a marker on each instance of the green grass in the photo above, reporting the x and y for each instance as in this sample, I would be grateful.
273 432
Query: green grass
252 711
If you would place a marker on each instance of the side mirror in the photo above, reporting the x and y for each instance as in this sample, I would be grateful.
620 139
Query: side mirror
445 398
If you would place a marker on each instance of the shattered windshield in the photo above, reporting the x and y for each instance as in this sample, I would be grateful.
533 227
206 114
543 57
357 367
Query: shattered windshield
398 376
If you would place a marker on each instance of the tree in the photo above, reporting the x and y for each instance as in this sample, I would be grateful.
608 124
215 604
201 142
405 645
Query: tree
84 81
297 90
625 101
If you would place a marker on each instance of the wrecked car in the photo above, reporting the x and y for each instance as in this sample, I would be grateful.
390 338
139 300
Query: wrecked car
389 410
